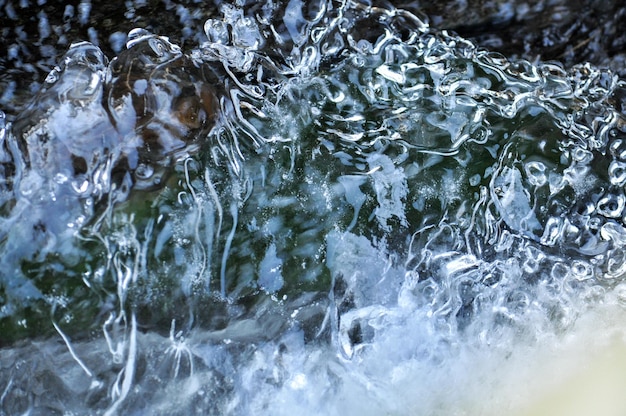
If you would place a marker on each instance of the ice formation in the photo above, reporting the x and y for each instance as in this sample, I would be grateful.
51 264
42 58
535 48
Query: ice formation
382 215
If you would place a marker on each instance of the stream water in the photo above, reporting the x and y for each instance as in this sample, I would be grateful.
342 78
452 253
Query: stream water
322 208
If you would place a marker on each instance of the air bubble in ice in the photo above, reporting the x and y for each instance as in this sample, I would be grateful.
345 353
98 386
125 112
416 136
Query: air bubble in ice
611 205
617 172
144 171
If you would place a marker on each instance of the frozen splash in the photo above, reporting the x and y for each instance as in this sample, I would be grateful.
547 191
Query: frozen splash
381 210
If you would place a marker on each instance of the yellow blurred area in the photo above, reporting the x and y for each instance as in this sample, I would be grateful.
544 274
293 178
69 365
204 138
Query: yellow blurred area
597 388
586 375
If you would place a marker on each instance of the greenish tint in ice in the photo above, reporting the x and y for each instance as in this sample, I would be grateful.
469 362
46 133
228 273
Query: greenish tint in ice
377 202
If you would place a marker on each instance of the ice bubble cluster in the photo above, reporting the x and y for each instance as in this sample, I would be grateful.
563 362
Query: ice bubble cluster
93 132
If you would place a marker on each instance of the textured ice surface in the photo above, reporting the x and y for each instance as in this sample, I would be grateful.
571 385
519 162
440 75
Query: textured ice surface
382 215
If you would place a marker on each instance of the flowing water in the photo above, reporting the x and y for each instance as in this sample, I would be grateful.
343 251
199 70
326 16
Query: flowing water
323 208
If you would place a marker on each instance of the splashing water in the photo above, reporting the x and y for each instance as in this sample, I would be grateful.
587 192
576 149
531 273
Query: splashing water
325 208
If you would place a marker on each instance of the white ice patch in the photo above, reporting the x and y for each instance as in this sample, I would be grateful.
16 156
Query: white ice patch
140 86
513 201
294 21
391 75
353 194
270 271
366 269
391 189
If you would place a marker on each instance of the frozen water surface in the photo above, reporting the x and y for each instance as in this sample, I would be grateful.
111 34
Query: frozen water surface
322 208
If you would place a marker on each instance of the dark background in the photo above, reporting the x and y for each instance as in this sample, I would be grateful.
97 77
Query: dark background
567 31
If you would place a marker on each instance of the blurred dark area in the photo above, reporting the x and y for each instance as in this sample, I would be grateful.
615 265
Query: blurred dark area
34 34
570 32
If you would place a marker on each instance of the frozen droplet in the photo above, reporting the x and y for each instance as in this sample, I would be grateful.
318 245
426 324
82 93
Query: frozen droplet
137 35
614 232
616 264
582 155
245 34
618 148
390 185
617 172
581 270
513 201
536 173
217 31
560 271
611 205
552 231
144 171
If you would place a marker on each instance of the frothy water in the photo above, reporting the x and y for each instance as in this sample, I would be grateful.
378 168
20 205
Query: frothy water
325 208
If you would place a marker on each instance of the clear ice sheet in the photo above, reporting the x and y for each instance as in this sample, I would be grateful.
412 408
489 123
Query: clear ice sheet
378 215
